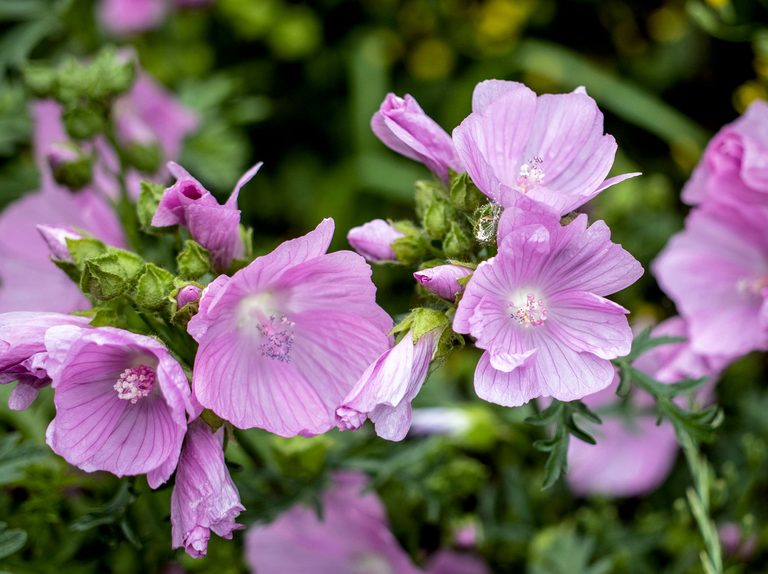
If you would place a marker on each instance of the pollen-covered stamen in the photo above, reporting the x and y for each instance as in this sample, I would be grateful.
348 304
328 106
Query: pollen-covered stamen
752 285
532 313
135 383
277 337
531 175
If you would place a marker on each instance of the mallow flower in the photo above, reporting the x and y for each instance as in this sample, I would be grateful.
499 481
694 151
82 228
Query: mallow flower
23 355
214 226
634 454
716 272
443 280
734 167
285 339
373 240
538 309
353 536
385 390
550 148
204 498
403 127
121 401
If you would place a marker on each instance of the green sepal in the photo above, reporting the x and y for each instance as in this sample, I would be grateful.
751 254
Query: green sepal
110 275
193 261
457 242
145 157
149 199
427 192
74 174
84 122
153 288
464 194
81 250
213 420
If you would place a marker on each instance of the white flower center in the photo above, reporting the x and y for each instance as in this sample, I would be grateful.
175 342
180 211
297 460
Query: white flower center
752 285
528 310
135 383
272 330
531 175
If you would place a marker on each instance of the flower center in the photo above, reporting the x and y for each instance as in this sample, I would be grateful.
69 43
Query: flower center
135 383
272 331
531 174
277 337
752 285
529 313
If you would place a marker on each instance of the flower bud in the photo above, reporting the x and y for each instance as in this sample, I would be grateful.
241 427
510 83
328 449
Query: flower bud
374 239
70 167
139 146
56 239
153 287
456 243
187 294
193 261
110 275
443 280
464 194
83 122
438 218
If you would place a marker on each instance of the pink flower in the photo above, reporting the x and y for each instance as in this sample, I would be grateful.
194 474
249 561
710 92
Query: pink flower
353 536
735 543
284 340
403 127
551 148
539 312
22 352
126 17
120 402
716 272
385 390
443 280
450 562
633 454
216 227
204 498
735 164
187 294
373 240
28 279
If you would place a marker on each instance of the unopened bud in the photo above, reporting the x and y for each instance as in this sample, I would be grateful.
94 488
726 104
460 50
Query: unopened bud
457 242
70 166
374 239
443 280
186 295
56 239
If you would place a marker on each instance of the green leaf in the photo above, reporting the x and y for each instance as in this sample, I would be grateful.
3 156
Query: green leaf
15 456
11 540
109 513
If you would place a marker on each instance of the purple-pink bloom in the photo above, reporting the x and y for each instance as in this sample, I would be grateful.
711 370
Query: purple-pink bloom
214 226
735 543
125 17
373 240
550 148
22 352
121 401
633 454
734 167
716 272
353 536
443 280
285 339
451 562
204 498
385 390
538 309
29 281
403 127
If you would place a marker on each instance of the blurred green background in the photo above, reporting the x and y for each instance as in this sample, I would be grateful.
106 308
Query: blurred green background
294 84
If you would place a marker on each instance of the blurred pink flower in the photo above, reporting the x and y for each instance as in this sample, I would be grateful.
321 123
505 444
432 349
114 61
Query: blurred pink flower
734 168
633 454
716 272
352 536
